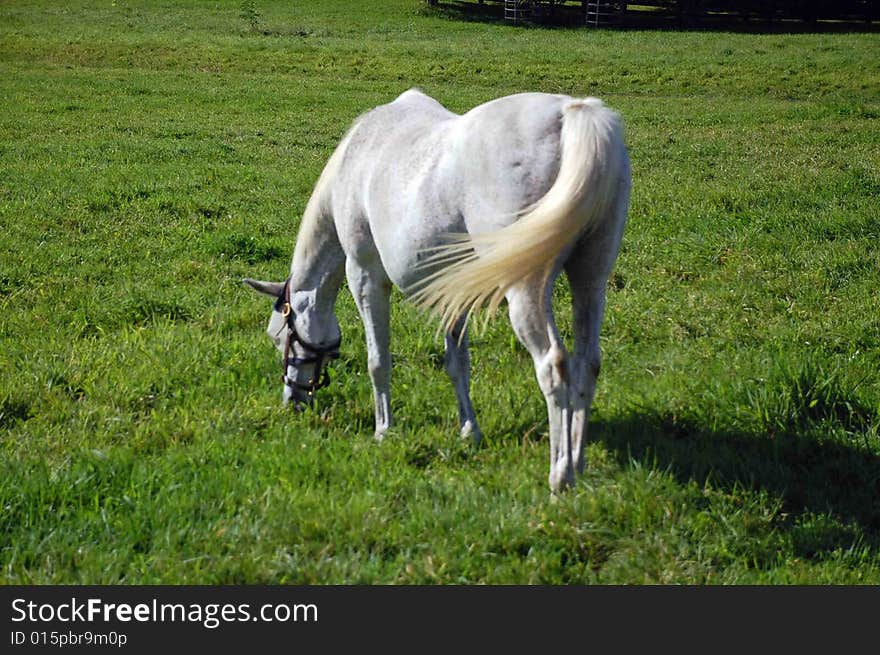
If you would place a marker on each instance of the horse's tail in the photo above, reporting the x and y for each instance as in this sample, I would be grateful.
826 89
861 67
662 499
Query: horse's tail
477 270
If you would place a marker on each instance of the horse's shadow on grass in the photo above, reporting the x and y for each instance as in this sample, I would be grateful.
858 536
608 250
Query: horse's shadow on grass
810 475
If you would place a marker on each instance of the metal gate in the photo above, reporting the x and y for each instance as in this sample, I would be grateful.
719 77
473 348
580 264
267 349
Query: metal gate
599 12
517 11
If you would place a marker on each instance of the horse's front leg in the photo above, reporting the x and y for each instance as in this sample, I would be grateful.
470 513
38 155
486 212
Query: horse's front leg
457 363
533 323
371 289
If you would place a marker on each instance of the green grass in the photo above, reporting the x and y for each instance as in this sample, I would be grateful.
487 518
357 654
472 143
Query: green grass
154 153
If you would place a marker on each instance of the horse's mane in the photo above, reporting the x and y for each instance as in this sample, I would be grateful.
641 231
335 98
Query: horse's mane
318 204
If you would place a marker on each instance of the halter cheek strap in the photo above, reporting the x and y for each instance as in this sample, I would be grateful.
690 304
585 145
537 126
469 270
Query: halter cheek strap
317 355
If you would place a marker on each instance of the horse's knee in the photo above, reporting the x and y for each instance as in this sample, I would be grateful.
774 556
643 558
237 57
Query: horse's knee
377 365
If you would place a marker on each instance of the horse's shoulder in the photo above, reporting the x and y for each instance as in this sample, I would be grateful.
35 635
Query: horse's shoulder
413 105
414 94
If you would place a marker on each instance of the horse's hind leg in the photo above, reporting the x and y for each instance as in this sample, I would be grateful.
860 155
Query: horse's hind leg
531 316
588 268
372 290
457 363
589 307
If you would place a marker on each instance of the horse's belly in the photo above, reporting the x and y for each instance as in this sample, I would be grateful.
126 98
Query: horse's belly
410 214
404 238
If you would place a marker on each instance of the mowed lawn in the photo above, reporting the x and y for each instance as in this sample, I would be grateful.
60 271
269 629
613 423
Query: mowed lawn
154 153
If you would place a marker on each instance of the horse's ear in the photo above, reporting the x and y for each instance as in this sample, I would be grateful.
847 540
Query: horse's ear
273 289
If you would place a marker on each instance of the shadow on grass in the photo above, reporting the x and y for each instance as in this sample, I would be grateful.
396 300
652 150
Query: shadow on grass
569 16
810 474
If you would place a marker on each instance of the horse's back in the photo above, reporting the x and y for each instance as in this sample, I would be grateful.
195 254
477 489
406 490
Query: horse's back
415 171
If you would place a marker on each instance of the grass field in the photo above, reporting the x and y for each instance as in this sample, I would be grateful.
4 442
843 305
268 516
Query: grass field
154 153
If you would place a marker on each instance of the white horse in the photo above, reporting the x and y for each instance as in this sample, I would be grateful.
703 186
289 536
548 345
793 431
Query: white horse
461 212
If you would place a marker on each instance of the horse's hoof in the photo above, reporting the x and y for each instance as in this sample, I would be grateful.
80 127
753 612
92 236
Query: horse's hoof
469 431
561 477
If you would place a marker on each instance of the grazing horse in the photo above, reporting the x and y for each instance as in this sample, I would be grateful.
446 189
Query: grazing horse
462 212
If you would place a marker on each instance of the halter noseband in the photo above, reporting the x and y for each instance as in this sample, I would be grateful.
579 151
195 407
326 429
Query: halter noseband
318 355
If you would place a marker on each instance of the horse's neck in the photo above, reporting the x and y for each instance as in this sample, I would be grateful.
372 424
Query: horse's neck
315 276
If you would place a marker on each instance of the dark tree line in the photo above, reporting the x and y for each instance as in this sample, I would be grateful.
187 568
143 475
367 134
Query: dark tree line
808 10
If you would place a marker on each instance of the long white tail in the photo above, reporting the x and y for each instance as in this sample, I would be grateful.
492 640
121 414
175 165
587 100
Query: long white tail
582 195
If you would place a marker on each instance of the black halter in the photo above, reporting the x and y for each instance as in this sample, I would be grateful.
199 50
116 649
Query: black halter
317 355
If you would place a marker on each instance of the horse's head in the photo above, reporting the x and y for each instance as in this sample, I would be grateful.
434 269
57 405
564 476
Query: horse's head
303 363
